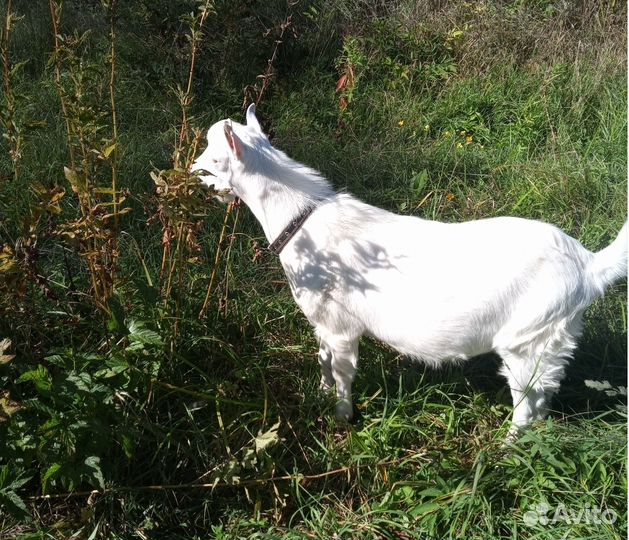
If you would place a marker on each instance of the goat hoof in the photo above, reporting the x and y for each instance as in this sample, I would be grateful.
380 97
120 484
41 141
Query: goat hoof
513 435
344 411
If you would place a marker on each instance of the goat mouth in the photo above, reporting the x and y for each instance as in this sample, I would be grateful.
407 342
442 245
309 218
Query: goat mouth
226 196
201 172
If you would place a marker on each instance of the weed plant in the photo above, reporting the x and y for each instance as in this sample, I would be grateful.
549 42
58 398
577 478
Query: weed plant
156 378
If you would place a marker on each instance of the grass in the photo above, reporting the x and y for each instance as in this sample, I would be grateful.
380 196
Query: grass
193 428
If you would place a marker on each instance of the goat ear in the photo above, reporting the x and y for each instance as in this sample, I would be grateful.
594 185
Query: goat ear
252 121
232 140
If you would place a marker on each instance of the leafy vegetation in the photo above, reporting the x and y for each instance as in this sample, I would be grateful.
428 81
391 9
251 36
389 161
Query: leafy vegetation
156 378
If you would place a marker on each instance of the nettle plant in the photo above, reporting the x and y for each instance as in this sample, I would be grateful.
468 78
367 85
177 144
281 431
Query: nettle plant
26 221
181 199
92 138
80 403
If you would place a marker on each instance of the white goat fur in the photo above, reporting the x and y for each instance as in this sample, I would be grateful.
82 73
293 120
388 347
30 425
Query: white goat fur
433 291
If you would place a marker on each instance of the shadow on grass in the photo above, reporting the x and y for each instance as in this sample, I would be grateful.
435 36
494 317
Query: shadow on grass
594 381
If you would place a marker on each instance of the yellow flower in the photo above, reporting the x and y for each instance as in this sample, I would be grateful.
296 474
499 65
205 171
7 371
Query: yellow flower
401 123
447 134
459 145
463 132
468 139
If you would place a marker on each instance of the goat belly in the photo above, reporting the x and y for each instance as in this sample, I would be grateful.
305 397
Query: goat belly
433 332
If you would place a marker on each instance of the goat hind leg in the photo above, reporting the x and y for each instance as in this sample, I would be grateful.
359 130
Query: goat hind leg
532 382
535 372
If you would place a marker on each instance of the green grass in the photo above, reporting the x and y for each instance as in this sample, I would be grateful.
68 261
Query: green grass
465 111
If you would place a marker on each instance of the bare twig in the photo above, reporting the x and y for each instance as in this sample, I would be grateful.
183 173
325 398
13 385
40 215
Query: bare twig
300 478
217 261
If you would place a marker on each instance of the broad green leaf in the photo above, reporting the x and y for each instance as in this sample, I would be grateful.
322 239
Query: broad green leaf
95 472
14 505
4 476
116 321
107 151
128 445
50 473
430 492
39 377
139 333
424 508
419 181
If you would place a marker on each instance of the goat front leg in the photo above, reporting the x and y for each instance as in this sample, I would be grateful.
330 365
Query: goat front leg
344 364
325 361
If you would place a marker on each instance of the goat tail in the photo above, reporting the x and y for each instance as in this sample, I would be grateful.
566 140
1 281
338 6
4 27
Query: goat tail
610 264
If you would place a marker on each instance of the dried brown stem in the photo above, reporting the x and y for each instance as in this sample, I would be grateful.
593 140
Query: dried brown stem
217 262
13 136
56 9
114 115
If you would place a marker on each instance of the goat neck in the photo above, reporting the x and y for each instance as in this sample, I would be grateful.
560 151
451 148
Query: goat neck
277 190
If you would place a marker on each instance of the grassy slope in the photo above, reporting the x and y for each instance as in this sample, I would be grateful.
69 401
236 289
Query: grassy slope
542 94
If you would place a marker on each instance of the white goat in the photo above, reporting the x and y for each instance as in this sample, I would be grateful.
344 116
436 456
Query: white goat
433 291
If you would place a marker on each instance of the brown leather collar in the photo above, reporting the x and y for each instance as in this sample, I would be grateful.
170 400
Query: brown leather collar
290 230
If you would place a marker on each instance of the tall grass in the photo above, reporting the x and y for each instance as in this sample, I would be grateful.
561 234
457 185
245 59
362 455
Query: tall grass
123 414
